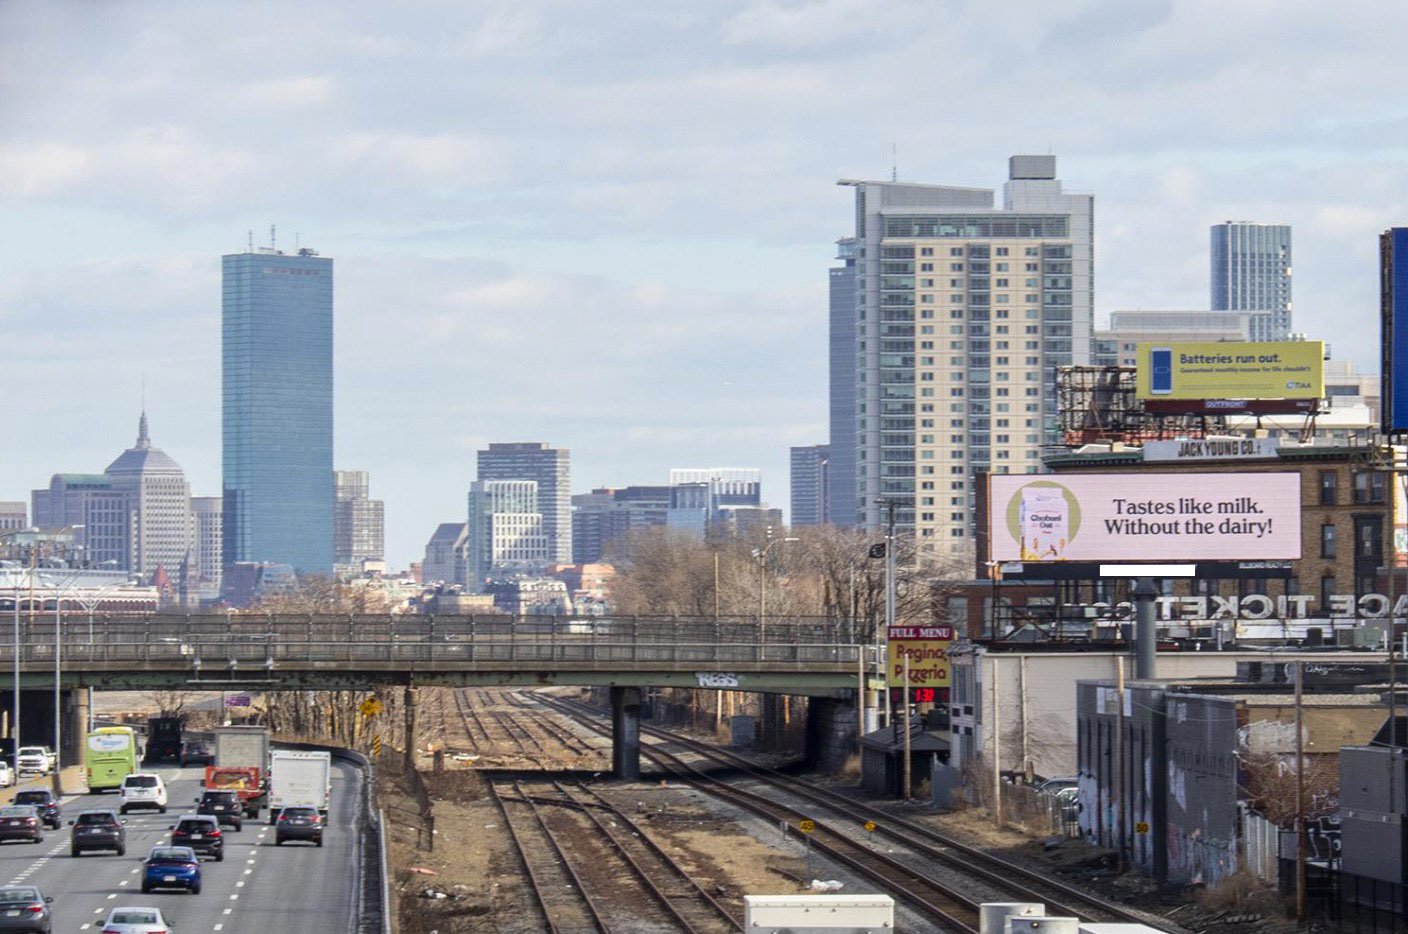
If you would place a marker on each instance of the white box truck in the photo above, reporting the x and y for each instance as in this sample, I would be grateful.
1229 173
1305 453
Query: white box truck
303 778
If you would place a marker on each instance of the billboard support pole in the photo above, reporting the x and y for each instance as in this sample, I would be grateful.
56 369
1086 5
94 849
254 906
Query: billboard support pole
1146 630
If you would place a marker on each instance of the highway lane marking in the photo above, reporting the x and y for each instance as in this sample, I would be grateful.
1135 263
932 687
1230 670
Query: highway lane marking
235 896
227 911
219 927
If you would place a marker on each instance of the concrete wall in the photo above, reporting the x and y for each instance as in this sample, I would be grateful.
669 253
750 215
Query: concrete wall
831 733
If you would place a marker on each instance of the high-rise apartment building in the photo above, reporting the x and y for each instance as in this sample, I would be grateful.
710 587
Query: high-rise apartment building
277 434
207 541
506 532
604 517
358 523
550 468
811 476
159 505
841 466
1251 271
963 313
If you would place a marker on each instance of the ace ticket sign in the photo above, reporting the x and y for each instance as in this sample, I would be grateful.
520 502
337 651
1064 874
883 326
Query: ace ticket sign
926 647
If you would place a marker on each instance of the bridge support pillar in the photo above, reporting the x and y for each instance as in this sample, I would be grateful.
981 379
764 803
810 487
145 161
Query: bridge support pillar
410 703
625 733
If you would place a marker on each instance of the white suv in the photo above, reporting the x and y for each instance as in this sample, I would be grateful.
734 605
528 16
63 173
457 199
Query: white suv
142 790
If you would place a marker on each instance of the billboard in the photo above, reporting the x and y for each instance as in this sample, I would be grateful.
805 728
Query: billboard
927 648
1393 335
1144 517
1230 370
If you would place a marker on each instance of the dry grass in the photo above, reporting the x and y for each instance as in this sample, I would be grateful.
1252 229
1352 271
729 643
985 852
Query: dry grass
850 769
1240 890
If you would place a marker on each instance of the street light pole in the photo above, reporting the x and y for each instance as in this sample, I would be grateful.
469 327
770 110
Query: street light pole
15 711
58 696
762 555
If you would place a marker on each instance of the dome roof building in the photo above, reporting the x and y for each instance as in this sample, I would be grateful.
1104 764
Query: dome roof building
159 503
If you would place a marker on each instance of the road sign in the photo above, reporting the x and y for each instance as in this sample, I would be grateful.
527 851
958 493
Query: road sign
869 826
1141 827
807 826
370 707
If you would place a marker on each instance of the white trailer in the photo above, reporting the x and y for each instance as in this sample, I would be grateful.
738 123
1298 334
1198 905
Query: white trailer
242 747
299 778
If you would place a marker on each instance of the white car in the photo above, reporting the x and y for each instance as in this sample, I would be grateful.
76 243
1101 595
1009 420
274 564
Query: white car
142 790
35 759
135 921
7 774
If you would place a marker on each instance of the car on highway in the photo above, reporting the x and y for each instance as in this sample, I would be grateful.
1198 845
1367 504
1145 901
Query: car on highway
196 754
97 829
136 921
224 806
171 867
200 832
43 800
36 759
299 823
7 774
21 822
25 908
142 790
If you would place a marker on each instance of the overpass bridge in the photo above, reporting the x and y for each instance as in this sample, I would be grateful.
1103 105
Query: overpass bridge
272 652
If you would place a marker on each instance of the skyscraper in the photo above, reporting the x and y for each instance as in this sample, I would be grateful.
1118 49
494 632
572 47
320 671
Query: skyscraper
92 502
841 466
811 475
963 313
159 505
277 357
506 529
207 567
550 468
359 523
1251 271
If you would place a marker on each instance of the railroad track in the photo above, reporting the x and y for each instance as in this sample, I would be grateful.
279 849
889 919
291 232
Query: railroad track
596 841
1006 876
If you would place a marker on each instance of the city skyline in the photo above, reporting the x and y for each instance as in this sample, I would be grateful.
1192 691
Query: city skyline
463 238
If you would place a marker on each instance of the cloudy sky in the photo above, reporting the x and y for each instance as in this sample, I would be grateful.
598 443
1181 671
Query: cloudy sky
608 225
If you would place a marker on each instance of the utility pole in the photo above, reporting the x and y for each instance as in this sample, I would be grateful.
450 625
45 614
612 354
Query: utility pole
1300 794
1120 822
996 749
904 699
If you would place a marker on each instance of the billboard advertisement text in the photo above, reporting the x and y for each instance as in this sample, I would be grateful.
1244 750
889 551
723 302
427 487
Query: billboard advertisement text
1144 517
927 649
1231 370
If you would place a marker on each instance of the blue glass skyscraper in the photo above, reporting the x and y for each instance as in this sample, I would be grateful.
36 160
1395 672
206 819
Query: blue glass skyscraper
277 431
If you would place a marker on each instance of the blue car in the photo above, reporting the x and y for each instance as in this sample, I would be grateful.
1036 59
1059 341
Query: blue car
171 867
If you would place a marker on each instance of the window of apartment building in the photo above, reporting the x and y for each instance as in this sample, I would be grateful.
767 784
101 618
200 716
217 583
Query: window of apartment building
926 283
926 345
1000 284
955 470
1000 299
1032 392
1327 590
1033 329
1001 439
955 283
926 267
926 516
1002 423
1032 251
1001 313
1002 455
927 485
1001 251
927 314
1033 361
955 485
926 251
1293 586
1031 283
1328 547
999 267
1368 538
1032 299
956 533
1001 361
926 299
1368 486
955 251
1003 391
1032 267
1031 407
955 267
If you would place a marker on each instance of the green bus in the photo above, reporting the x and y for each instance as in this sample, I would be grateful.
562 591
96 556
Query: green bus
110 756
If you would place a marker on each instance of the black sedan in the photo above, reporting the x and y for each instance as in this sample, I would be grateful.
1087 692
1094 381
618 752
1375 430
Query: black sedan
201 833
20 822
98 830
196 754
299 823
25 908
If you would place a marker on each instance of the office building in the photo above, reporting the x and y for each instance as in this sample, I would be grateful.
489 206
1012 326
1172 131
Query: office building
95 510
358 523
700 498
507 532
445 555
277 418
207 541
1119 345
811 476
604 517
964 311
13 516
550 468
841 466
1251 271
158 506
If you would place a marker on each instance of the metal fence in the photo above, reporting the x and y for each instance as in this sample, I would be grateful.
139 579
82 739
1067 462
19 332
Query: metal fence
380 641
1261 847
1041 814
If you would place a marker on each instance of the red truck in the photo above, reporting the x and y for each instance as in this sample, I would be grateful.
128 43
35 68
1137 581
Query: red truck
247 780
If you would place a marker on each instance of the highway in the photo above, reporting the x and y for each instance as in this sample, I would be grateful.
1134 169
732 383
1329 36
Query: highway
259 888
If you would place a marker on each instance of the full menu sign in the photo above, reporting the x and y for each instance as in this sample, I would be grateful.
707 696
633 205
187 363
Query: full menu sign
926 647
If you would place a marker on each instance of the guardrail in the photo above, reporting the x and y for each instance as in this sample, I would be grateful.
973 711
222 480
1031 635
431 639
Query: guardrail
383 642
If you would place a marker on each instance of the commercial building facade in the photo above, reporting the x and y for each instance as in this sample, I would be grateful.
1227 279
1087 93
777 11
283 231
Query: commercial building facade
841 468
604 517
277 340
208 540
445 555
1251 271
811 485
159 505
964 311
1119 345
13 516
506 530
358 523
550 468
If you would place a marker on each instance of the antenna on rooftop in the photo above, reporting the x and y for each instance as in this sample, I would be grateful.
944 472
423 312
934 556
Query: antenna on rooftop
249 248
297 242
894 162
273 237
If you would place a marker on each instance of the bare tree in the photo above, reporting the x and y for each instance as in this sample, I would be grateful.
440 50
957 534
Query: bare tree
169 703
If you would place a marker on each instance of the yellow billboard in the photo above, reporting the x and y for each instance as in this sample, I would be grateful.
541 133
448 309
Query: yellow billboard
927 649
1231 370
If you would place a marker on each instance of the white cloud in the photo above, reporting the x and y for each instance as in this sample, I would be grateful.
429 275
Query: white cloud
293 92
